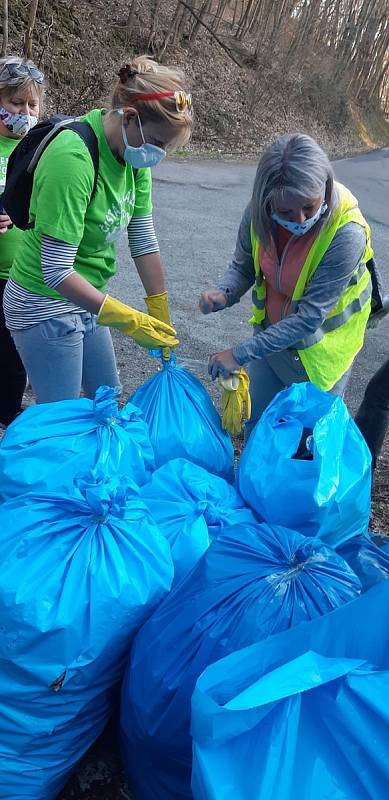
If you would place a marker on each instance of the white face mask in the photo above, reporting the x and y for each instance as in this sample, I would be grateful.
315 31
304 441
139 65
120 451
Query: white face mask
147 155
299 228
19 124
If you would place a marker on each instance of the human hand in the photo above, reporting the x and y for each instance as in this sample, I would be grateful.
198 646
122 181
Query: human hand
158 307
5 222
146 330
213 300
236 401
222 364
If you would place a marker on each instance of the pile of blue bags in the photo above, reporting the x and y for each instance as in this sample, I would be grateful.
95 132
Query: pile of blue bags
238 608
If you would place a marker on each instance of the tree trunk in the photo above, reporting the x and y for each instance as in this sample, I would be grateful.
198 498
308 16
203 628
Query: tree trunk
243 22
30 29
219 14
130 21
206 7
5 29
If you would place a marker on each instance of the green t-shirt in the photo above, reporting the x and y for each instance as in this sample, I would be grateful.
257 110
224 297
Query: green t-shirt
10 241
60 207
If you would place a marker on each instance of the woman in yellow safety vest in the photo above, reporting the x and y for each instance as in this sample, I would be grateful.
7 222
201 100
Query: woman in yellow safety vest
303 246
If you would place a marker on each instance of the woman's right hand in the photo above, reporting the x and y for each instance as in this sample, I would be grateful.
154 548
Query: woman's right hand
213 300
147 331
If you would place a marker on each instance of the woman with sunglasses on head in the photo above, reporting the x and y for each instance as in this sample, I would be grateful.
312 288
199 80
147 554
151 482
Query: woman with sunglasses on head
21 94
303 245
55 303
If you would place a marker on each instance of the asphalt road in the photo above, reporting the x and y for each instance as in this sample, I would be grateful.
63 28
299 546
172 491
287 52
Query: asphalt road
197 209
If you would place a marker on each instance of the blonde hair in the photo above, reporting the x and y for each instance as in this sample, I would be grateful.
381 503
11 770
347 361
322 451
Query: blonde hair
10 85
145 76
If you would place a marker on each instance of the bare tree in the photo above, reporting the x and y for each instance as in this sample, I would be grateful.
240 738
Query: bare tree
30 29
130 20
350 35
202 13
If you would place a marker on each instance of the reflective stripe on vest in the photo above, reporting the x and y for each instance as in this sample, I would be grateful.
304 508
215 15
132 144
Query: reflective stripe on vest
258 294
331 323
329 352
354 280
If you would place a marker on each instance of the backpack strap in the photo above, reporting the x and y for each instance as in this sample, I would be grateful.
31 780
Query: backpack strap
89 138
87 135
84 131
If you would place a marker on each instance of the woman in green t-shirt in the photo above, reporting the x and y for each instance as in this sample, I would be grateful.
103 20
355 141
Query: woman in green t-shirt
55 303
21 91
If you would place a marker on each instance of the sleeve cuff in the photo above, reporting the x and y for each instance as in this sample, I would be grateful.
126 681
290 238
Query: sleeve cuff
232 298
241 355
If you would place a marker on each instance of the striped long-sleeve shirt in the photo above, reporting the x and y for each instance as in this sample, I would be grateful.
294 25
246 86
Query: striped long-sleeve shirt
23 308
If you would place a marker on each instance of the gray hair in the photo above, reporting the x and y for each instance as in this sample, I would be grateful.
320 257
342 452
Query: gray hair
9 85
294 163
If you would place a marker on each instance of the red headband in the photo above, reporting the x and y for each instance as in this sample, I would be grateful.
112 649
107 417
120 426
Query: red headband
152 96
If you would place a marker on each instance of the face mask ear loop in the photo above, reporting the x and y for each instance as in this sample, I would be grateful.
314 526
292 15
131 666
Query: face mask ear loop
141 130
124 132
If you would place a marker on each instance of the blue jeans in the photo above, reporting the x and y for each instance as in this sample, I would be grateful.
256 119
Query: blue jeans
65 353
271 374
373 414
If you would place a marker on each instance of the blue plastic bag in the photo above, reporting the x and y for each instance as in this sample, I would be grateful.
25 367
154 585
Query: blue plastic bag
50 443
328 496
368 556
252 582
350 760
79 575
311 728
183 422
191 508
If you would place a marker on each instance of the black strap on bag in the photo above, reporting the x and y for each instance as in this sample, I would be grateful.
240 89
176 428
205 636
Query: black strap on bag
23 160
377 295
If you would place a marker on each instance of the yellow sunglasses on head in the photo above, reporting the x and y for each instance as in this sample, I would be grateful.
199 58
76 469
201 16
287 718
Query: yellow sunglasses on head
183 100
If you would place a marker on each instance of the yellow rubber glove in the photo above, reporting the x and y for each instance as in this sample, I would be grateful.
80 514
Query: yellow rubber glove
158 307
235 396
145 330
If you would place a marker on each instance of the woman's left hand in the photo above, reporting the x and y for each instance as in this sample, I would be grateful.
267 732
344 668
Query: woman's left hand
5 222
222 364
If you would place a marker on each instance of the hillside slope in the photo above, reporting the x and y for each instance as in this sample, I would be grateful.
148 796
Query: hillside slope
239 110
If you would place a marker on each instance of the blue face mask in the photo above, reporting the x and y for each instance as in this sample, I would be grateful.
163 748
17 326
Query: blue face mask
147 155
299 228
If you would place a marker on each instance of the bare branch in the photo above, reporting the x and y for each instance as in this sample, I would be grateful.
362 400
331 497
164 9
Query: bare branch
214 35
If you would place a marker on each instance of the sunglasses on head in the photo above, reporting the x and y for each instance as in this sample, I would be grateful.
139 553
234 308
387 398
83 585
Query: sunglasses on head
23 70
183 100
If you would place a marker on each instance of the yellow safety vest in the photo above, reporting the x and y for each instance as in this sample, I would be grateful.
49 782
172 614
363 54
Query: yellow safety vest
329 352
